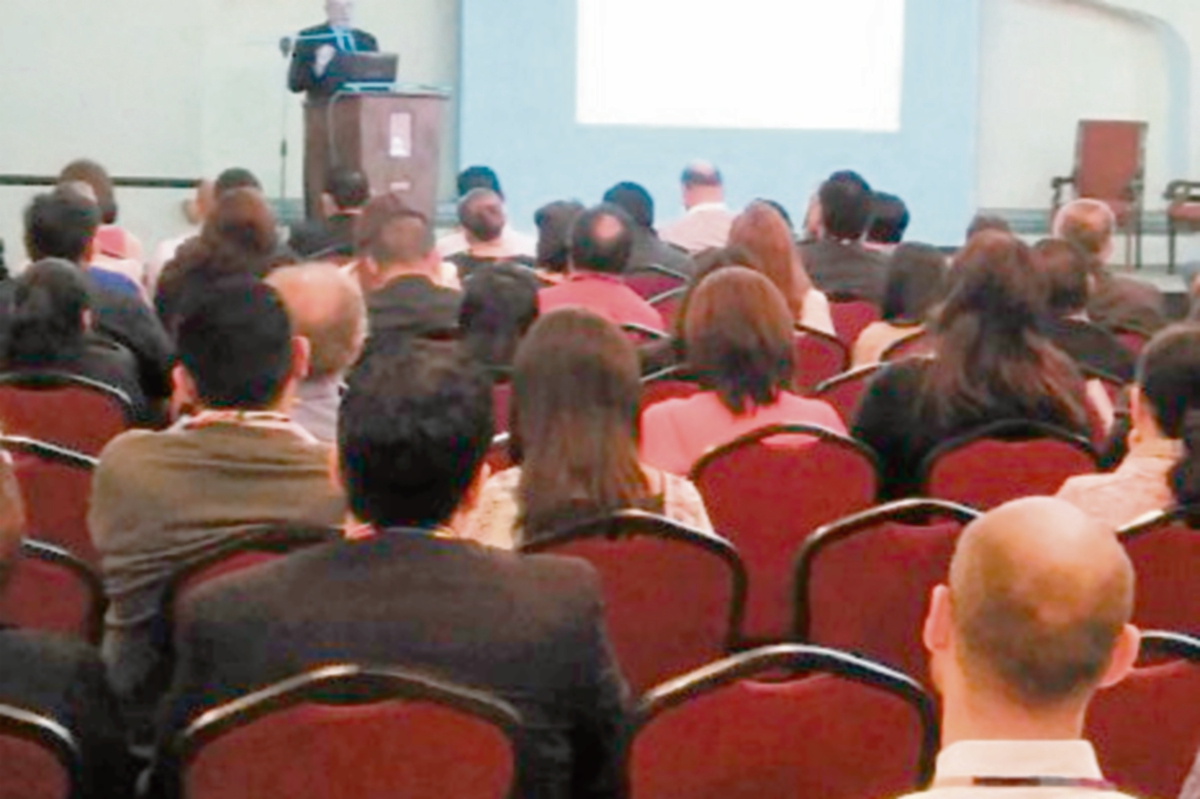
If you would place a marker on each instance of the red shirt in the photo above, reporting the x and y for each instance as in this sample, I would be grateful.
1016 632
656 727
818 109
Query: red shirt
604 296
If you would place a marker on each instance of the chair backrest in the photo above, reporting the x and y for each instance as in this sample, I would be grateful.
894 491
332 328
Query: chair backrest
851 317
63 409
677 382
39 757
501 405
1134 341
768 491
668 305
351 731
50 589
640 334
719 733
673 596
863 583
916 344
1005 461
652 280
56 484
818 358
1110 155
1165 552
1146 729
845 391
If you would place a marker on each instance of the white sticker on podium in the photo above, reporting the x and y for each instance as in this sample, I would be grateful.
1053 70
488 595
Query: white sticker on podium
401 136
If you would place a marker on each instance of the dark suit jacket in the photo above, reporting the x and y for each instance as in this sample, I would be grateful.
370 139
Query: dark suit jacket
411 306
845 270
301 76
324 238
1091 346
130 322
527 629
63 679
1120 301
649 249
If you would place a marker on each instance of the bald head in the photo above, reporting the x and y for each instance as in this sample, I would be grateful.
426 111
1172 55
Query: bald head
702 184
1089 225
481 213
327 308
1040 594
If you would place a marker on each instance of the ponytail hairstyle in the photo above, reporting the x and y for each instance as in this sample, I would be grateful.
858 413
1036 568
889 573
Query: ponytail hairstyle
1169 381
48 322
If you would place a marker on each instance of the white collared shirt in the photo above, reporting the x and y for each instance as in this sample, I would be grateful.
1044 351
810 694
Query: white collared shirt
1016 759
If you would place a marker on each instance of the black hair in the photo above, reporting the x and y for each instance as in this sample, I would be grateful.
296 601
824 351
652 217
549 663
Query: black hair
1065 268
49 301
348 187
236 343
416 423
60 224
498 306
235 178
916 283
845 205
634 200
889 219
554 222
478 177
596 246
701 175
1168 377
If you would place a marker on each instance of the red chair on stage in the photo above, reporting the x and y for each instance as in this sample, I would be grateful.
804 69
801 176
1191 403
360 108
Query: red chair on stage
1165 552
845 391
819 357
56 484
52 590
767 492
1183 214
863 583
1005 461
62 409
737 730
344 730
673 596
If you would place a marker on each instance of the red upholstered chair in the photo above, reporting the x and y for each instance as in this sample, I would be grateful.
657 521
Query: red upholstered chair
851 316
640 334
767 492
653 280
1166 555
55 486
67 410
1183 213
916 344
845 391
1146 729
1132 340
39 758
838 728
1005 461
501 405
499 456
676 382
1110 166
342 731
818 358
863 583
50 589
673 596
668 304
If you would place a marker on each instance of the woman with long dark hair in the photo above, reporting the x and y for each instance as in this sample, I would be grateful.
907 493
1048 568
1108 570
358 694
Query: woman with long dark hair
916 284
50 330
575 426
991 364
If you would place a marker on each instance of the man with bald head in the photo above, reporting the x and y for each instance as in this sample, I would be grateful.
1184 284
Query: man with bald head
708 220
1034 621
326 308
1115 300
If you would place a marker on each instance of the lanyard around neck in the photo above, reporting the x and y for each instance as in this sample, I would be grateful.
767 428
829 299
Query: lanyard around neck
1083 783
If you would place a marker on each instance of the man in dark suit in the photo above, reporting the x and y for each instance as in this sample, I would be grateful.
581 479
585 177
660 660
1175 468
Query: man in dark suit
60 678
313 68
407 591
837 262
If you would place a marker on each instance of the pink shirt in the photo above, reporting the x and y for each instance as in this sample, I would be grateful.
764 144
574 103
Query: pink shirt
677 433
605 296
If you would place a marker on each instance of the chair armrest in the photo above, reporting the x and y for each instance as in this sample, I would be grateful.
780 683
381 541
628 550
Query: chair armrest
1185 191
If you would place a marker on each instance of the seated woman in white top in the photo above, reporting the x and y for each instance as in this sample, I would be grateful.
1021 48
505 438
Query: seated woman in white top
576 392
916 284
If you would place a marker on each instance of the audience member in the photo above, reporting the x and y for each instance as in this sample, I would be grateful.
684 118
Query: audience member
234 178
529 629
601 240
576 395
916 285
333 236
985 222
837 261
554 222
399 270
762 232
198 209
499 306
63 225
163 500
482 217
889 223
58 678
1034 621
1163 407
740 343
1191 789
707 221
648 249
1065 267
116 249
51 331
1116 301
992 364
510 241
326 308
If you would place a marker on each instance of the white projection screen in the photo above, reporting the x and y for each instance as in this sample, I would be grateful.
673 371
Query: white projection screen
741 64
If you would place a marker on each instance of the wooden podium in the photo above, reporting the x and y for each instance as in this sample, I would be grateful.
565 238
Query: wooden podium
394 138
